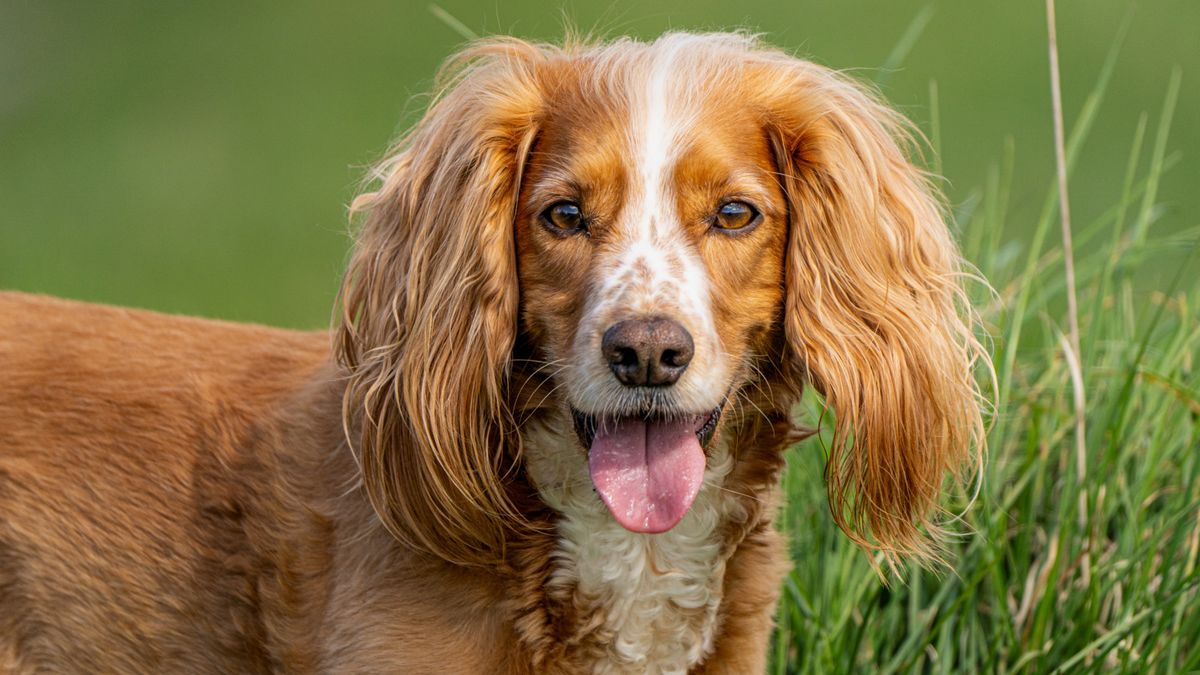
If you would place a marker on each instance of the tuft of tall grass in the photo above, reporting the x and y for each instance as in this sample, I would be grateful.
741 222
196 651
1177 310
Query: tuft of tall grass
1062 565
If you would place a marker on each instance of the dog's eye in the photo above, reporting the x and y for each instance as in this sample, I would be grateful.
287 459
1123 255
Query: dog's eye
563 218
735 216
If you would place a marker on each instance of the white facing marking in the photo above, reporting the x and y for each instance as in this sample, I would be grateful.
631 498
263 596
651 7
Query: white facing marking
657 140
655 270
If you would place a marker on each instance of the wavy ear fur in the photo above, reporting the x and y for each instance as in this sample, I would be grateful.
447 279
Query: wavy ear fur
875 311
429 310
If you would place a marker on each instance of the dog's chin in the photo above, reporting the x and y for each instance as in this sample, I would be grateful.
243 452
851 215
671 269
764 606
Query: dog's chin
647 468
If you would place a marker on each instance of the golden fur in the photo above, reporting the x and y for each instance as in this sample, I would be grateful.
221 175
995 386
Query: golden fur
188 495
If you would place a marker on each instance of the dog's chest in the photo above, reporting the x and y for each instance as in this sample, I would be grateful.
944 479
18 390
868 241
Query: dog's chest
646 603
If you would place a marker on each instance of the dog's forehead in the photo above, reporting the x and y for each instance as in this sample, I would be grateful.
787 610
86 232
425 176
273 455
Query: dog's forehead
652 102
649 132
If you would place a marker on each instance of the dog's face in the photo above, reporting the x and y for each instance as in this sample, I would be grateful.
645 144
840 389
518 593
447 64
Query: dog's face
651 231
623 239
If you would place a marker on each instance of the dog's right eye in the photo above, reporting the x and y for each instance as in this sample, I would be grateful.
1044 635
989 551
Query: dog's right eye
564 218
736 216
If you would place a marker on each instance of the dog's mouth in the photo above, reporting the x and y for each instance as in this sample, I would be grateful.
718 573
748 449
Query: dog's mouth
647 468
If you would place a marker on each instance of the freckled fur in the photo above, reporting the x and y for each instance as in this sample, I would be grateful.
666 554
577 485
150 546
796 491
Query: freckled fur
407 495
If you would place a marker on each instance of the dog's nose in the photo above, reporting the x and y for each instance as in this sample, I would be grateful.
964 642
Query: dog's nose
647 352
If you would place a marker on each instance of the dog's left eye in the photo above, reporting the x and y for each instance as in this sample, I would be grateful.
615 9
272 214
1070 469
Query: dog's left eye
563 218
735 216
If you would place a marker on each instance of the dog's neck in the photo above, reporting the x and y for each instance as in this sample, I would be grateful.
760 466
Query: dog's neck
639 603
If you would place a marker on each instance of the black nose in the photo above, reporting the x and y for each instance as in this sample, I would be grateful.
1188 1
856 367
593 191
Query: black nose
647 352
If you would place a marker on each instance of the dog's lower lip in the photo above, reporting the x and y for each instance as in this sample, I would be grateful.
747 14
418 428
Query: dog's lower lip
586 425
706 430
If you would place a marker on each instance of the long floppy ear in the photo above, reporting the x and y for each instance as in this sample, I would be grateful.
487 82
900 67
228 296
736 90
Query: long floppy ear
875 310
429 310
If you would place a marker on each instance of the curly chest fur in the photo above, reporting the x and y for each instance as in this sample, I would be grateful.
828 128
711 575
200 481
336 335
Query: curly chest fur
645 603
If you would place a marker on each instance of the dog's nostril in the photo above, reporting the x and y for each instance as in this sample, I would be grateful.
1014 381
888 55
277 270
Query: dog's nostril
625 356
647 352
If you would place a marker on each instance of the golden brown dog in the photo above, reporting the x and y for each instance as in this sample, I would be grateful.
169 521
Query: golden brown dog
589 288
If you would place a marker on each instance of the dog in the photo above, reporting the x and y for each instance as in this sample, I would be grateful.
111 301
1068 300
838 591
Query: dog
545 434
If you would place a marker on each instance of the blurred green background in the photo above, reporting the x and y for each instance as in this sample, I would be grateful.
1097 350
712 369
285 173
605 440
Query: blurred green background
198 157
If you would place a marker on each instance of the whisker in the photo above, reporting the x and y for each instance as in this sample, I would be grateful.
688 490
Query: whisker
754 405
735 492
539 403
530 376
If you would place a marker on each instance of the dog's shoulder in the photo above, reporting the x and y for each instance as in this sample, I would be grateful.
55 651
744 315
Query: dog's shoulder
85 382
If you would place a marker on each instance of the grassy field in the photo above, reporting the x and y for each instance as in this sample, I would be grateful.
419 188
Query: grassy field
1071 558
196 158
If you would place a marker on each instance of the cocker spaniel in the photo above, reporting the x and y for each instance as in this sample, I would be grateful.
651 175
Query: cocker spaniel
546 436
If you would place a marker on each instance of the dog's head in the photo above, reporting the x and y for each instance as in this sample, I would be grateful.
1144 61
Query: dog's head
626 238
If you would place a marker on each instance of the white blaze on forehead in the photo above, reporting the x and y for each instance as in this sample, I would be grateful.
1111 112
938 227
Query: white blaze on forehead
658 136
662 114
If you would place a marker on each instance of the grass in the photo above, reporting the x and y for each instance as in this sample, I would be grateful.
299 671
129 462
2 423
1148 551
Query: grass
1065 562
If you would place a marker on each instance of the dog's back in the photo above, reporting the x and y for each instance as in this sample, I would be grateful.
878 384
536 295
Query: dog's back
128 442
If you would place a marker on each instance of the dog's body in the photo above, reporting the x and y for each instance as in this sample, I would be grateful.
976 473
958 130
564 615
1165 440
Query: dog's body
176 496
546 434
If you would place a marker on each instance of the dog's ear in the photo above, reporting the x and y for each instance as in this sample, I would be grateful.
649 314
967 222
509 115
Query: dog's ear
876 317
429 310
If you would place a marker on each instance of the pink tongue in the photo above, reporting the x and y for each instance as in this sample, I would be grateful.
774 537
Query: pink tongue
647 473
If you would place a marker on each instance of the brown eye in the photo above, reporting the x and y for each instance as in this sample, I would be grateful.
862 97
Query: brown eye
563 218
735 216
